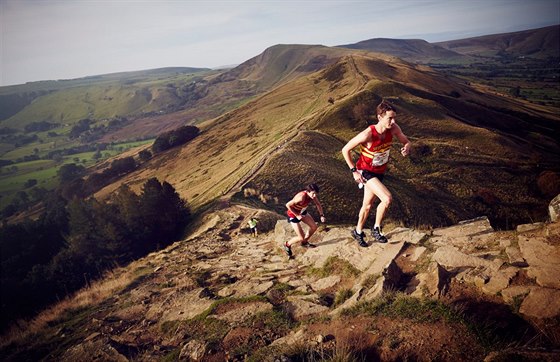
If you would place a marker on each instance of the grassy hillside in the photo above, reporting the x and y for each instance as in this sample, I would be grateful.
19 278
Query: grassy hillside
14 99
236 144
228 90
102 98
58 106
140 105
472 155
467 159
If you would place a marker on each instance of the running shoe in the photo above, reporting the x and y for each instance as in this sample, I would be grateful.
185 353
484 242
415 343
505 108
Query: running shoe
307 244
360 238
378 235
288 250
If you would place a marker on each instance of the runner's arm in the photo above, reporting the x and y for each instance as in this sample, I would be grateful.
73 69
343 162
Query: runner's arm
362 137
320 208
397 132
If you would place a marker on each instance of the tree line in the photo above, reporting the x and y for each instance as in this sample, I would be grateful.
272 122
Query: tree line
76 241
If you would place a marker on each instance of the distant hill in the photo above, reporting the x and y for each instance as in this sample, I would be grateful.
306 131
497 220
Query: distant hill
159 99
284 62
100 96
536 43
414 50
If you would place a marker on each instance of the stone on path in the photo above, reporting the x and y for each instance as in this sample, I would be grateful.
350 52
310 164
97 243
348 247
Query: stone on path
405 234
554 208
541 303
543 259
466 235
451 258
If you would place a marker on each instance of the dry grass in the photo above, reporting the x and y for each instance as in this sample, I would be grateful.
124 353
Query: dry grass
91 295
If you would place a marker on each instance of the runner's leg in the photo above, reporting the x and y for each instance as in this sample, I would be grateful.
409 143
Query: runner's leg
369 198
299 232
378 189
308 220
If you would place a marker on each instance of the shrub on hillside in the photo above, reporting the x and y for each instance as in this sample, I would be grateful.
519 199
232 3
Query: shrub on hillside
81 127
174 138
144 155
549 183
40 126
486 196
122 166
419 150
69 172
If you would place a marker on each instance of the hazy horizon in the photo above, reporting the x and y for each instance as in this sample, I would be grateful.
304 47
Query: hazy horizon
53 40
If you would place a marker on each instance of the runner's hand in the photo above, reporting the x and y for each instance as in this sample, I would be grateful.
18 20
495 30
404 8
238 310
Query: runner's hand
358 178
405 150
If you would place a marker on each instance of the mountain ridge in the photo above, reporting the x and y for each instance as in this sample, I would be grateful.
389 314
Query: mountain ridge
539 43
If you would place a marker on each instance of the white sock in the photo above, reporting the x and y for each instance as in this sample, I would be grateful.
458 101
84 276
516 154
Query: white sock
358 231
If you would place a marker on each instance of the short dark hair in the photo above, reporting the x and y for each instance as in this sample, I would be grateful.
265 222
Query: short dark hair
384 107
312 187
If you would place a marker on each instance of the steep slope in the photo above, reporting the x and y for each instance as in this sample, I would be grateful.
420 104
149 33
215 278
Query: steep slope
235 144
281 63
475 153
221 92
471 156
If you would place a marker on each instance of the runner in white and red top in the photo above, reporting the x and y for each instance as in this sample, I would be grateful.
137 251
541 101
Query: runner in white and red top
375 145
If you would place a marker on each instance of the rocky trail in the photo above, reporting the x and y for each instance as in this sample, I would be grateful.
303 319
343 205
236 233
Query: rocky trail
223 295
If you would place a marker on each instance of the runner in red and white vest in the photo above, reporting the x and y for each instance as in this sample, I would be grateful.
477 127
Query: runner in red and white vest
297 212
375 145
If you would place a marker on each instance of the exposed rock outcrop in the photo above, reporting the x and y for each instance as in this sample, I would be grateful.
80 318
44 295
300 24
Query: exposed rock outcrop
208 296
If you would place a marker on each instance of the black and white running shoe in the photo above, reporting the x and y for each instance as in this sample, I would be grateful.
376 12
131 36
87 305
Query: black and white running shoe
378 235
360 238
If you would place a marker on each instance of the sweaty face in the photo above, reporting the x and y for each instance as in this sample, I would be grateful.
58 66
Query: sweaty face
387 119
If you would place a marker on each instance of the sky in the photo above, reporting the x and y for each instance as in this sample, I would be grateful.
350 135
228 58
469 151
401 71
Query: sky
65 39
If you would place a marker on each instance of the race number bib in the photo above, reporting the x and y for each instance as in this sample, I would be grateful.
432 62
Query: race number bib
380 158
